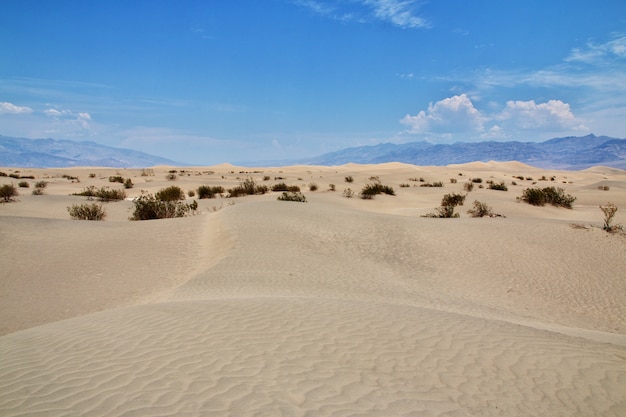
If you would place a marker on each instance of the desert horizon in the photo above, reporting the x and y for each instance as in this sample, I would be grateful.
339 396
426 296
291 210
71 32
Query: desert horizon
338 305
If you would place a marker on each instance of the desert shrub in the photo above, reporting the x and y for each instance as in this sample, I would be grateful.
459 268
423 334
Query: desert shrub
480 209
468 186
453 180
433 184
370 190
204 191
3 174
116 178
548 195
149 207
331 187
348 193
312 186
500 187
70 177
349 179
171 176
266 177
172 193
609 211
477 180
603 188
41 184
247 187
106 194
191 193
87 212
292 196
7 192
128 183
405 185
14 175
23 184
448 203
92 175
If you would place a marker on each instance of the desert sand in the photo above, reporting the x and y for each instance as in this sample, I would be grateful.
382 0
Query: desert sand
334 307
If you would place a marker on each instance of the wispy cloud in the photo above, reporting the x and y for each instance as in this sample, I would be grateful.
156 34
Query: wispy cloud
10 108
598 53
400 13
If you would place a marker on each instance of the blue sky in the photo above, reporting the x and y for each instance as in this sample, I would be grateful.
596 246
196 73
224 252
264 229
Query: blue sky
207 82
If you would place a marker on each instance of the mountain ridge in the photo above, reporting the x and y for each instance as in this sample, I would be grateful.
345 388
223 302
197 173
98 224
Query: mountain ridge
571 152
61 153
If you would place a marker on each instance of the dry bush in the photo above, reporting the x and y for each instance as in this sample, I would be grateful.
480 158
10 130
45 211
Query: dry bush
609 210
7 192
292 196
87 212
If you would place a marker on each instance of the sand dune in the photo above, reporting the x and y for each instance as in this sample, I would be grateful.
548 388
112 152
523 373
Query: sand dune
337 307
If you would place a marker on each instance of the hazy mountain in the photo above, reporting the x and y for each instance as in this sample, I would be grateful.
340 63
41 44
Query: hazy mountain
52 153
560 153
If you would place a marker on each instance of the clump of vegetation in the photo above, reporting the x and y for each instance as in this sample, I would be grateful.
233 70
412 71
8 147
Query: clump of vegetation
149 207
500 186
3 174
191 193
468 186
104 194
609 210
39 187
292 196
204 191
128 183
23 184
92 175
481 209
247 187
477 180
172 193
312 186
349 179
348 193
331 187
453 180
548 195
70 177
432 184
87 212
448 203
604 188
116 178
8 192
404 185
281 186
370 190
171 176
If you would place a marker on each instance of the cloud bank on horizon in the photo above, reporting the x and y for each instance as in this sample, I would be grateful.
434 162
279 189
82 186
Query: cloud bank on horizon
245 80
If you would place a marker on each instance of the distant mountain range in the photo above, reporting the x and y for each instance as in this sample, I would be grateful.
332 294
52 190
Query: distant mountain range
560 153
52 153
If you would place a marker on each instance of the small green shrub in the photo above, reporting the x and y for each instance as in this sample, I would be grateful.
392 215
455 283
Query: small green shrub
148 207
370 190
292 196
87 212
7 192
23 184
448 203
172 193
480 209
500 187
204 191
548 195
247 187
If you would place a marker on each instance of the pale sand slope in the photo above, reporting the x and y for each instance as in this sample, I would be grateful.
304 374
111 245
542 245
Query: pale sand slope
337 307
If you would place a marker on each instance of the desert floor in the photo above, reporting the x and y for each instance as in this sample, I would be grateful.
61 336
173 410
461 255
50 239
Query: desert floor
334 307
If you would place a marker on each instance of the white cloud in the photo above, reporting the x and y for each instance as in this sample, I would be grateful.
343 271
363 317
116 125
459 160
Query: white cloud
451 115
598 53
10 108
456 118
399 12
528 115
67 121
